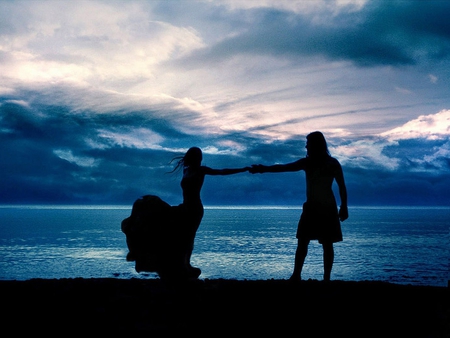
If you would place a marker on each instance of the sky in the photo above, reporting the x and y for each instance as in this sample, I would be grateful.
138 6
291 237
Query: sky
97 98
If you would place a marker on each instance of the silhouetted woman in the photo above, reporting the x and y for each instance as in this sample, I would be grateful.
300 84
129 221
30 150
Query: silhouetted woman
320 219
192 207
160 237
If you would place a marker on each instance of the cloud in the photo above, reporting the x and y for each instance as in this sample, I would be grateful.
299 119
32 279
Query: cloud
378 34
99 158
433 78
78 160
420 145
296 6
403 91
140 138
97 97
366 154
429 127
68 43
135 56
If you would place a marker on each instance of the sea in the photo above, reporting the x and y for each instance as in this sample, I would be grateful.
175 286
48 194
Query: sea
403 245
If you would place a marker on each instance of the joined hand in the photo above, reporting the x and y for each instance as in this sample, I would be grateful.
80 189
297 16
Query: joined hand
256 169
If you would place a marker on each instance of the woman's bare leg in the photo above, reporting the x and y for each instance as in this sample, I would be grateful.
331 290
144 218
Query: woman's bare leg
300 255
328 259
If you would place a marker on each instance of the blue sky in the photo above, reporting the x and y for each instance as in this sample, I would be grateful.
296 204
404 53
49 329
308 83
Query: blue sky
96 98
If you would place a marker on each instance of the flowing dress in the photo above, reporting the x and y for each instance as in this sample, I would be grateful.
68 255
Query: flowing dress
159 236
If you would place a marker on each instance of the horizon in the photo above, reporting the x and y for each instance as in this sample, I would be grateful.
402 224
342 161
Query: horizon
206 207
98 96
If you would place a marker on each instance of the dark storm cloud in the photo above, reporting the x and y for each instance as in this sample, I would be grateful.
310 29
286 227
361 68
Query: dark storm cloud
54 155
48 154
382 33
419 154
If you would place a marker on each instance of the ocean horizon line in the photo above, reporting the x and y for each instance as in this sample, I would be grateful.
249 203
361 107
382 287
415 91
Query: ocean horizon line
220 207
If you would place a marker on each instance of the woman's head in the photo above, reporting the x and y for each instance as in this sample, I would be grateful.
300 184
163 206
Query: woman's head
316 145
192 158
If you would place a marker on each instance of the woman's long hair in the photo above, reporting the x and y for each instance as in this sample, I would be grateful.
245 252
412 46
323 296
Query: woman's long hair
192 158
316 146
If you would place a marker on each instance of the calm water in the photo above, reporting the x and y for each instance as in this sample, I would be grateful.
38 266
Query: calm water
398 245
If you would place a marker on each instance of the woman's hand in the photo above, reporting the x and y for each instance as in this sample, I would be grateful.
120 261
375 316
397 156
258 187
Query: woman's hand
343 213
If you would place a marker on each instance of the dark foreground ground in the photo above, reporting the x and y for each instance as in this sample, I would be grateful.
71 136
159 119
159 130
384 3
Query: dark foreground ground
219 308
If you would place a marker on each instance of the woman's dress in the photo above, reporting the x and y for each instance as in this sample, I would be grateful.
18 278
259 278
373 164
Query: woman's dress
158 235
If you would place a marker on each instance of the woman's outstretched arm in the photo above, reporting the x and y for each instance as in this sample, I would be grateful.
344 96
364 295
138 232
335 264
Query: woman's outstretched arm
226 171
277 168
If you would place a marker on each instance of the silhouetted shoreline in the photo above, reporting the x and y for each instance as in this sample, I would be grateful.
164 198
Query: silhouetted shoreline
211 307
